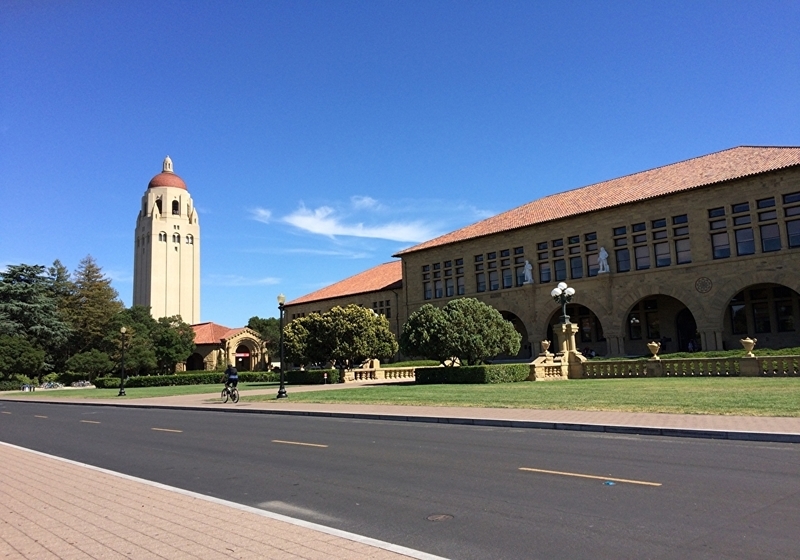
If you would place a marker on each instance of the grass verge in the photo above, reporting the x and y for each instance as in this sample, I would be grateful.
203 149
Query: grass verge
748 396
136 392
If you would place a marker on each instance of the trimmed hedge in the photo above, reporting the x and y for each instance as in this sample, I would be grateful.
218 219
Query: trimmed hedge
10 385
311 377
498 373
207 378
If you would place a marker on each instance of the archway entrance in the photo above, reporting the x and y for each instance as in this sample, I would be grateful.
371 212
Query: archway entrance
769 312
195 363
589 340
688 337
243 358
524 345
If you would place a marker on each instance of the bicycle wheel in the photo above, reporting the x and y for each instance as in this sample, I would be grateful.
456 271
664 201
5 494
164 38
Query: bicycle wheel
224 395
235 395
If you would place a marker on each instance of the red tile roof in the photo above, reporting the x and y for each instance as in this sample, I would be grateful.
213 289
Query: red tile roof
212 333
677 177
387 276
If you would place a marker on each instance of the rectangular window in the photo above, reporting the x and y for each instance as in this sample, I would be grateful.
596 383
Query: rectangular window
592 265
653 326
770 238
641 238
519 260
741 220
492 265
682 219
718 224
623 260
574 250
437 266
721 245
576 267
679 231
480 279
544 273
716 212
591 246
662 223
738 318
634 326
494 281
761 317
791 197
543 256
767 216
459 262
784 315
574 239
661 251
744 242
642 254
590 236
491 256
765 202
388 313
460 287
508 281
558 252
505 253
793 233
621 242
542 245
558 242
683 251
460 270
437 274
426 288
561 269
478 258
478 267
741 207
519 251
505 262
437 289
639 227
449 287
520 274
793 211
660 234
448 264
622 230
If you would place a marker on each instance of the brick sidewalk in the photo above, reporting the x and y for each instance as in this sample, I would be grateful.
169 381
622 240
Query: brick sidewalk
55 508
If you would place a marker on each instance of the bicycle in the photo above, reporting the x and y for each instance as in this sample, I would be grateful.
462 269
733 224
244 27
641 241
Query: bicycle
230 392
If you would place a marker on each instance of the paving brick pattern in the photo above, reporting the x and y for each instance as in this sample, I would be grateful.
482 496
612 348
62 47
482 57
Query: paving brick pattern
51 508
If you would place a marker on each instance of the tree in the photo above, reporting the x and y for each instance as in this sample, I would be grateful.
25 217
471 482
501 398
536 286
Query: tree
20 356
465 328
92 306
173 342
345 335
28 308
62 289
270 332
93 363
140 354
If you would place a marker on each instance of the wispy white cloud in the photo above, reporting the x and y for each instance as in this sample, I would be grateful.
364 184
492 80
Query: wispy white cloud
121 276
234 280
261 215
365 202
325 221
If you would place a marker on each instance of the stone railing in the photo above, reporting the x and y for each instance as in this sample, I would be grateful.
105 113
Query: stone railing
375 374
601 369
700 367
778 366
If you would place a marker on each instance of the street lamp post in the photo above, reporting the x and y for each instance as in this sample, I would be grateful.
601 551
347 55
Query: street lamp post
123 331
281 390
562 295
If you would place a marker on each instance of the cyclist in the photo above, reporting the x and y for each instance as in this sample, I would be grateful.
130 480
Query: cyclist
231 377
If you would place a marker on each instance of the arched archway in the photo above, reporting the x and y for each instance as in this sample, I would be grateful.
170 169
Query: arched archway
243 355
663 319
769 312
590 339
525 352
195 363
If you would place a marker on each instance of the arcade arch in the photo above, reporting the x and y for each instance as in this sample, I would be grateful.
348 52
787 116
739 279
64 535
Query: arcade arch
590 337
768 312
525 351
663 319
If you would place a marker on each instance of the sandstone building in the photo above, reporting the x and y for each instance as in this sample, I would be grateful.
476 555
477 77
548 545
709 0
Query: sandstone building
166 264
696 254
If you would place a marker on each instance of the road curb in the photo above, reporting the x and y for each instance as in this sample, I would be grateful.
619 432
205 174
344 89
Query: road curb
773 437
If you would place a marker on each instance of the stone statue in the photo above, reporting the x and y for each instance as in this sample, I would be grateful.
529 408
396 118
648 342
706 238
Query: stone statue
602 259
528 273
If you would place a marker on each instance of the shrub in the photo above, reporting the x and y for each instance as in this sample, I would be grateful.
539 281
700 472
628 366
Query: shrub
499 373
10 385
311 377
205 378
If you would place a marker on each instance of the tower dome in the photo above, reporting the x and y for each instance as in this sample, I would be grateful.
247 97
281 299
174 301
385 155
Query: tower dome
167 177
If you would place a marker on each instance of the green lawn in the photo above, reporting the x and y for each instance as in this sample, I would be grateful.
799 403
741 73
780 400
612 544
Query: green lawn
138 392
751 396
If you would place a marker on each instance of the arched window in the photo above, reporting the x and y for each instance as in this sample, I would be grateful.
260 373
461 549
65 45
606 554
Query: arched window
176 208
176 237
189 240
162 236
158 205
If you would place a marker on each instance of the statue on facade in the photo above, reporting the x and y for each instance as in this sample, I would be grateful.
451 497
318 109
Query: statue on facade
528 273
602 259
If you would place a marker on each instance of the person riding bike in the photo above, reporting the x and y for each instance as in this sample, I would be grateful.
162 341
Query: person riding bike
231 377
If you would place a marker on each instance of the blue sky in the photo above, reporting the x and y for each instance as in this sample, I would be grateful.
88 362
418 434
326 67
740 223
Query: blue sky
319 138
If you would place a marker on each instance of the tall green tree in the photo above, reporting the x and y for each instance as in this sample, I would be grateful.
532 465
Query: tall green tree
29 309
62 289
92 306
465 328
173 342
140 354
93 363
18 356
270 331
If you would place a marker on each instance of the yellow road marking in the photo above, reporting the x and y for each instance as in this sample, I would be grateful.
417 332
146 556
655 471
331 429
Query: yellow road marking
298 443
37 416
90 422
592 476
167 430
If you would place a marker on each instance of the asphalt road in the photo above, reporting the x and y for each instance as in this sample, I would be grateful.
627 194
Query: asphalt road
483 488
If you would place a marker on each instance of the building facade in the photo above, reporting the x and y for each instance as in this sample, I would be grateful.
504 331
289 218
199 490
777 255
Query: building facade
695 255
217 346
167 249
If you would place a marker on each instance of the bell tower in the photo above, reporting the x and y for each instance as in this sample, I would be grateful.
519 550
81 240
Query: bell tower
166 263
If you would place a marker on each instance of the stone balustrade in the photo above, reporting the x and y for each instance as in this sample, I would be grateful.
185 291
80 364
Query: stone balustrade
375 374
595 369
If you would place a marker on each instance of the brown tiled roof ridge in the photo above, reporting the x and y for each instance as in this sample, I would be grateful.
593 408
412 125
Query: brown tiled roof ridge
384 276
696 172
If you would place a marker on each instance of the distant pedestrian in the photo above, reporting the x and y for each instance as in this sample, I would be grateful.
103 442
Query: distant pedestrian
691 346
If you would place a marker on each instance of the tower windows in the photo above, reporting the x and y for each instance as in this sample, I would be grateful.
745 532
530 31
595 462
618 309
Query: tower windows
189 240
176 237
162 236
176 208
